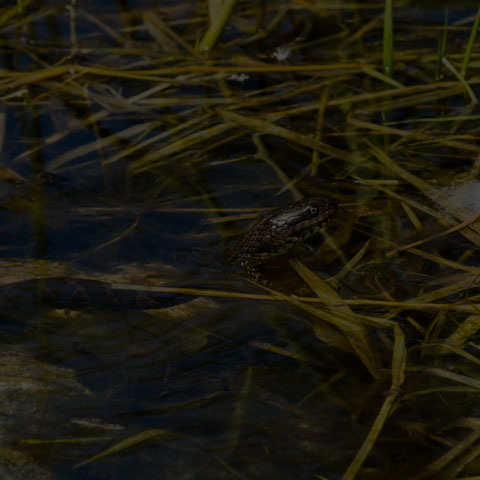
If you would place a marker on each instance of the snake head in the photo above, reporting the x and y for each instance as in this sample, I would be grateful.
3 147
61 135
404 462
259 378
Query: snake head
302 217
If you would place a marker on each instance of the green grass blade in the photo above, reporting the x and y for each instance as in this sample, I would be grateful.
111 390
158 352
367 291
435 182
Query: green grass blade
471 41
217 24
442 46
388 39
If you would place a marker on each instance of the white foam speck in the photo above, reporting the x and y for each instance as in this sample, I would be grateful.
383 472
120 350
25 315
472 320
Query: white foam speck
282 53
238 77
461 199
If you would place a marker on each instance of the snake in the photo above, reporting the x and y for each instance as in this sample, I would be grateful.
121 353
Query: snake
282 229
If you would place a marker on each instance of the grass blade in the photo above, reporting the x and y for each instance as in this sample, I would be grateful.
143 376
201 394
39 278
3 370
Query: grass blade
398 374
132 441
442 46
471 41
217 25
388 39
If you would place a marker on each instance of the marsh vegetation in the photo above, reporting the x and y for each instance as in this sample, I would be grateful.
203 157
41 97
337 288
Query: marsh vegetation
137 144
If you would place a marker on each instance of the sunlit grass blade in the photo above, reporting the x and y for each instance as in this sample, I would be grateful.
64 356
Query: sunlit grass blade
268 347
351 264
270 128
382 77
129 442
456 450
357 336
154 158
461 79
99 144
452 376
217 24
398 376
465 331
165 35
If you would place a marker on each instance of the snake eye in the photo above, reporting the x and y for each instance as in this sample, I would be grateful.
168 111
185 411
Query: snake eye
312 211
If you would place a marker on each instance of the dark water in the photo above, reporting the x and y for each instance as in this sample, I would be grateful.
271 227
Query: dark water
192 390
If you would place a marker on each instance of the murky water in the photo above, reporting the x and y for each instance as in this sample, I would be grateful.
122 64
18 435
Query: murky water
131 161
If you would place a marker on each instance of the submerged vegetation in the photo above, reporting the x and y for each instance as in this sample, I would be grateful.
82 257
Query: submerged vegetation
133 140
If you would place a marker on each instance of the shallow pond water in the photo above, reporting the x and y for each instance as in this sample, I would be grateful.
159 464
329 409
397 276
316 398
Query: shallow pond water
133 160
